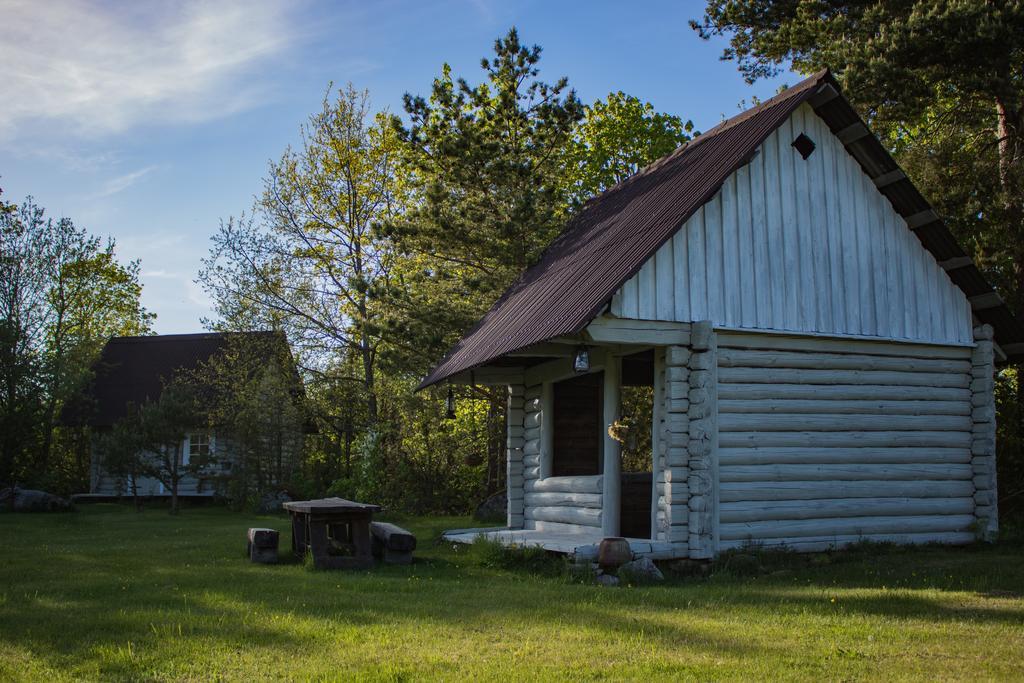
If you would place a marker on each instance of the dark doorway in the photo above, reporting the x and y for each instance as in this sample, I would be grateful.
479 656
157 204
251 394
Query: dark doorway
577 426
637 455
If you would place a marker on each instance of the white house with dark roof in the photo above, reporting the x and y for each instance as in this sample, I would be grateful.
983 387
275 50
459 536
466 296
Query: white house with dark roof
133 371
818 349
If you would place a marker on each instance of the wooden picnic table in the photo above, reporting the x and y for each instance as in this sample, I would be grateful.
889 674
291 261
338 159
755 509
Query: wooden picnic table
335 531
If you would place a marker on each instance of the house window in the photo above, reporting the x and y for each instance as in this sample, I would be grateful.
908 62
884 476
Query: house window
197 445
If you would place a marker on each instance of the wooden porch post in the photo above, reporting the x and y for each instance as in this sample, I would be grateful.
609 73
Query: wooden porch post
611 500
657 415
547 429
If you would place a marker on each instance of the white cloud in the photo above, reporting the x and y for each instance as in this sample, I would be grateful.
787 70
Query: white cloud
102 69
121 182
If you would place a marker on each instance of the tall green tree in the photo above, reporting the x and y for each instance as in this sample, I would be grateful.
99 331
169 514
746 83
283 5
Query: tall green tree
254 401
486 160
62 294
162 427
306 261
616 138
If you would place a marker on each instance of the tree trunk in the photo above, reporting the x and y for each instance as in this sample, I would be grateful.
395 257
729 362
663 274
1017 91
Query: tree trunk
1010 141
175 459
135 491
369 380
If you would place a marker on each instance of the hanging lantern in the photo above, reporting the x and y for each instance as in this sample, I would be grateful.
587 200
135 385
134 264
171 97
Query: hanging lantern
449 405
581 363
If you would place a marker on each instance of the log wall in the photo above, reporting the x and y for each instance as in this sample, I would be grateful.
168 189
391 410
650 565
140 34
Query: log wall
515 449
567 503
826 442
983 433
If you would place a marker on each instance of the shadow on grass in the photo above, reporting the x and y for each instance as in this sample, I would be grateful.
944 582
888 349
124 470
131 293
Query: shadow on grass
76 590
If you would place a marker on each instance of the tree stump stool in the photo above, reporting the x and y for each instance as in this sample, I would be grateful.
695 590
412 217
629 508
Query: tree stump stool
392 543
262 545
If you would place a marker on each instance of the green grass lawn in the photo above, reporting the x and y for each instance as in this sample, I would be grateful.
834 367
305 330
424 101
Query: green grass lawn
106 593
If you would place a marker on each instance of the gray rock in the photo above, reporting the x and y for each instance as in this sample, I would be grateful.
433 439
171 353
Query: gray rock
30 500
494 509
641 571
607 580
272 501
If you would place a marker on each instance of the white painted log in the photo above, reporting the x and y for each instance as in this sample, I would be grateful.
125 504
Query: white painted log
578 484
531 447
846 525
679 390
845 439
547 436
612 330
679 404
677 355
823 392
846 472
820 490
532 434
533 420
815 406
700 379
701 361
834 361
823 456
751 422
677 423
821 543
756 511
561 528
785 342
565 515
611 411
701 334
870 377
531 460
563 499
531 472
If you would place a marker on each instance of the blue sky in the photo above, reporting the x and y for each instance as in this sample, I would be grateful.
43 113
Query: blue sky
152 121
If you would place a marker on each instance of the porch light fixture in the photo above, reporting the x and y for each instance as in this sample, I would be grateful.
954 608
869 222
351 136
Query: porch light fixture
449 405
581 363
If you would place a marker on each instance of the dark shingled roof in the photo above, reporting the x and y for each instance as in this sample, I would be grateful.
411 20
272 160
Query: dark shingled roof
133 370
616 232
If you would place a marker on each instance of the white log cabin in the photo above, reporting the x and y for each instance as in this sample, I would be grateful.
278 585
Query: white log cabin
819 352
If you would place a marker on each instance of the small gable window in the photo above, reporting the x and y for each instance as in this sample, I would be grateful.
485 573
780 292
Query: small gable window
804 145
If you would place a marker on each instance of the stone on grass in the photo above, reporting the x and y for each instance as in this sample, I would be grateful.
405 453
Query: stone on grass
494 509
613 552
272 501
30 500
607 580
262 545
641 571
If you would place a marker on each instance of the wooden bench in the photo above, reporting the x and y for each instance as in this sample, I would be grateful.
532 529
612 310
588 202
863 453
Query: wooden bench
262 545
392 543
